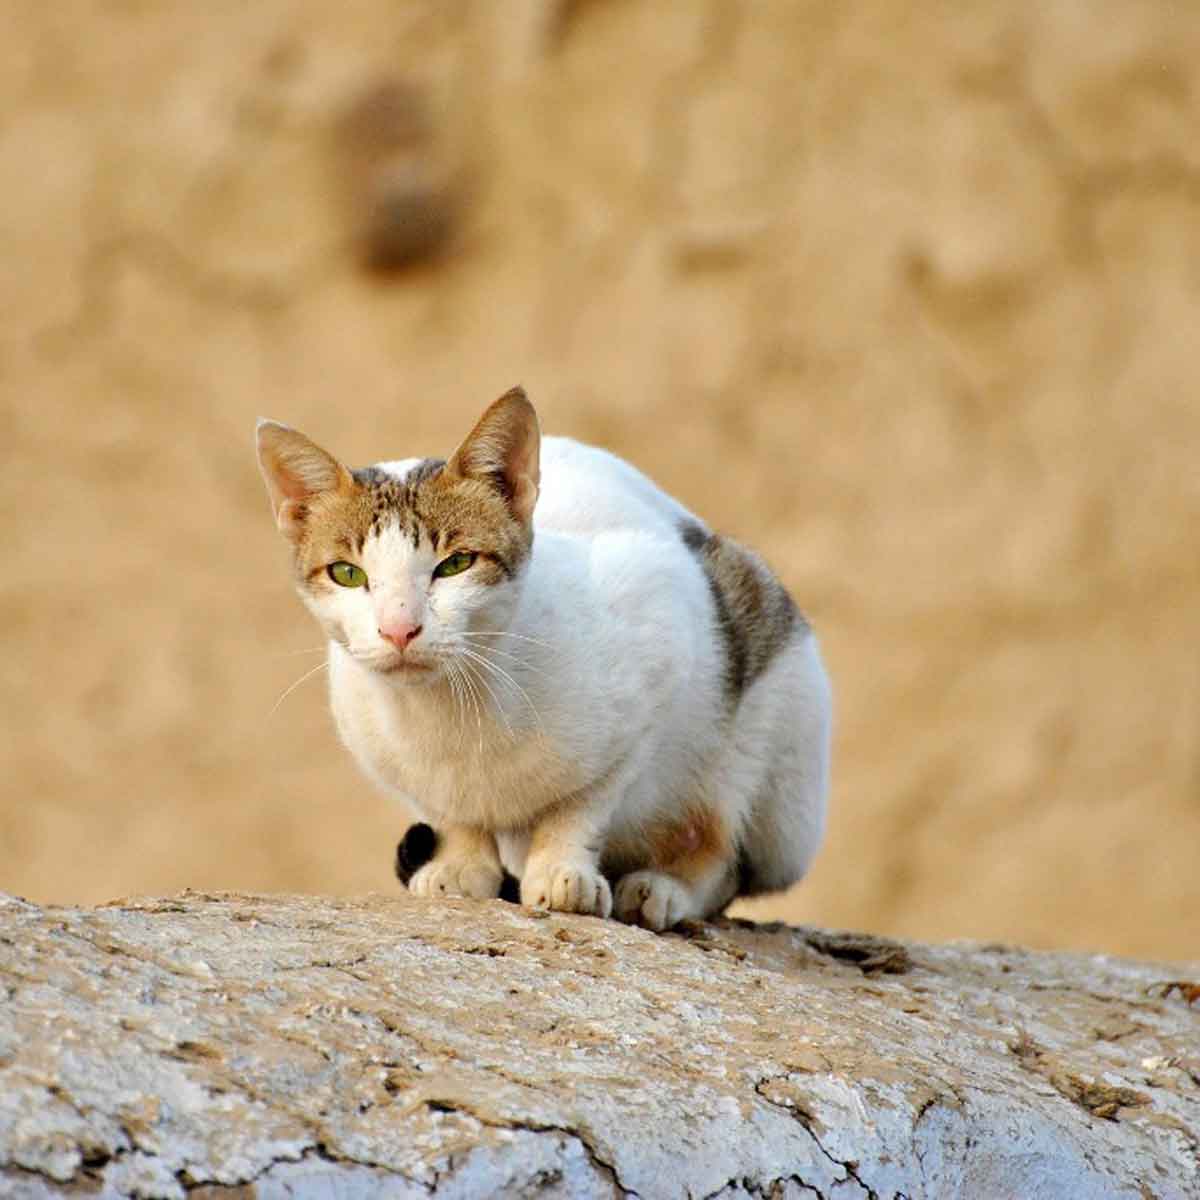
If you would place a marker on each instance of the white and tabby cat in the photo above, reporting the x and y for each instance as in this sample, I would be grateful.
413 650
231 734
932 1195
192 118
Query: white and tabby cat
562 669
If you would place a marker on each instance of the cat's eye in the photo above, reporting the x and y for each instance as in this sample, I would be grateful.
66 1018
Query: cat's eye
347 574
457 562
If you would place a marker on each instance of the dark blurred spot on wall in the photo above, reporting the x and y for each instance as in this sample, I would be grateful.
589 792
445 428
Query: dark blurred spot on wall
401 188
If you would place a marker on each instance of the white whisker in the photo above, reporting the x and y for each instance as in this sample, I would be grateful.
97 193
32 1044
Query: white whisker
516 658
288 691
499 671
509 634
491 692
474 700
456 693
464 689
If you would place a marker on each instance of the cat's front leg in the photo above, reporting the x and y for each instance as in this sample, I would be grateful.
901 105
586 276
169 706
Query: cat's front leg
465 863
562 870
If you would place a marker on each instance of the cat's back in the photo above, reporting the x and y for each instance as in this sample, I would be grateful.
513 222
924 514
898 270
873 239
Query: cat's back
586 490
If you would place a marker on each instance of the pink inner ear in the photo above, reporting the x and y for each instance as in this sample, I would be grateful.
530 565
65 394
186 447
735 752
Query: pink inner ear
290 484
298 472
525 495
291 515
504 443
523 461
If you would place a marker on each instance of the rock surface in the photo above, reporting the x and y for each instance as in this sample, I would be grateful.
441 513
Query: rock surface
298 1046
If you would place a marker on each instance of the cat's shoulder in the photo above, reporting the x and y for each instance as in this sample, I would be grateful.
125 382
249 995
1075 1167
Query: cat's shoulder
584 484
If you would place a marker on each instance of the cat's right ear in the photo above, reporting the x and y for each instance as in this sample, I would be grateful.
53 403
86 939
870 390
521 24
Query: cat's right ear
295 469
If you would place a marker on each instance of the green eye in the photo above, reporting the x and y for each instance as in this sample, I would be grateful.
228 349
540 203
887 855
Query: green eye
458 562
347 574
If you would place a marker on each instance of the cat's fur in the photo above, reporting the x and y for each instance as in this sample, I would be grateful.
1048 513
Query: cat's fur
621 707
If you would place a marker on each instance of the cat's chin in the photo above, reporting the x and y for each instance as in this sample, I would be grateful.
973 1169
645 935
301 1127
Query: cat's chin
404 671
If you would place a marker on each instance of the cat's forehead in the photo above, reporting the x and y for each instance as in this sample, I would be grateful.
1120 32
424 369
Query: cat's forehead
397 500
415 501
397 489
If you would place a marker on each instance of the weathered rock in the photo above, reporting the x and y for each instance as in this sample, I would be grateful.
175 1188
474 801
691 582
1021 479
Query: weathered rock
310 1047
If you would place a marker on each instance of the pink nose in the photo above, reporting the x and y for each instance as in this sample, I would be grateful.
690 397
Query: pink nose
400 633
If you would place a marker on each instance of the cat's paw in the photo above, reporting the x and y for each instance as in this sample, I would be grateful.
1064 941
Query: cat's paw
653 900
567 888
474 879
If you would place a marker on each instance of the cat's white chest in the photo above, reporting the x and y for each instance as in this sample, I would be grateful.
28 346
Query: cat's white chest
450 762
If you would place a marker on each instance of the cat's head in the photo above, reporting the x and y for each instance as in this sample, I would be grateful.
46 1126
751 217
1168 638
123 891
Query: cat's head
410 564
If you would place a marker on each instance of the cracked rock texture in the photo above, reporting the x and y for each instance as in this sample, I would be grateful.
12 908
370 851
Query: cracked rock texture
905 294
295 1046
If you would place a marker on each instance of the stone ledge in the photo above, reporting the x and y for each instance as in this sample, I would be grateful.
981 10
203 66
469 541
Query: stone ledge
303 1046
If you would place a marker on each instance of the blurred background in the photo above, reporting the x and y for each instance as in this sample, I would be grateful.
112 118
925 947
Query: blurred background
907 296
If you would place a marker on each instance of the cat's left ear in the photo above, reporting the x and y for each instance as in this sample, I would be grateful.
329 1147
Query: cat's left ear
296 469
503 450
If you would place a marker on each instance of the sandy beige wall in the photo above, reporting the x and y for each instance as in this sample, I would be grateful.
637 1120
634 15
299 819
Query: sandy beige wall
907 295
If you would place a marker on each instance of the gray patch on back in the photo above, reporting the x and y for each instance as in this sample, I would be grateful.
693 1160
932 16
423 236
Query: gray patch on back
755 615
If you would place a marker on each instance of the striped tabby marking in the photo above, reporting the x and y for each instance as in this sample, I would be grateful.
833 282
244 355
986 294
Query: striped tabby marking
428 504
755 615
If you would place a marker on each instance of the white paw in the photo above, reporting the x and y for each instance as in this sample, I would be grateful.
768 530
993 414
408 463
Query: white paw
573 888
654 900
476 879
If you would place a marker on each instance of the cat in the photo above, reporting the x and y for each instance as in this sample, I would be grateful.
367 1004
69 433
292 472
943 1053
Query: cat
562 670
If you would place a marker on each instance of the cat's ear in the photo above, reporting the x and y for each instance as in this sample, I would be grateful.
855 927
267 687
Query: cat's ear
503 450
296 469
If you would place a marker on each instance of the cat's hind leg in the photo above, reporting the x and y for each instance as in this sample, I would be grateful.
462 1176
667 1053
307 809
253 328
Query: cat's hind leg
780 756
693 873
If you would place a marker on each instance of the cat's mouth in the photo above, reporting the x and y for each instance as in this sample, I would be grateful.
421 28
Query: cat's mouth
405 666
398 666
